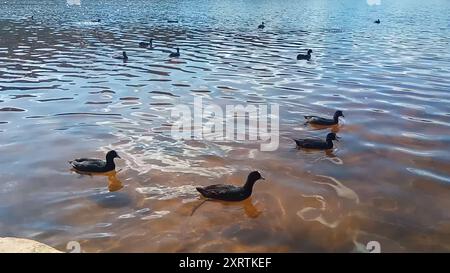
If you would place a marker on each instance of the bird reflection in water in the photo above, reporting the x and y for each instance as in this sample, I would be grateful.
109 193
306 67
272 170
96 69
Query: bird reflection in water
328 154
114 184
333 128
249 208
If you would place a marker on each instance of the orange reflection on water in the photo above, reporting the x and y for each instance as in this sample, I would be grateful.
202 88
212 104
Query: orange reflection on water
333 129
114 184
247 205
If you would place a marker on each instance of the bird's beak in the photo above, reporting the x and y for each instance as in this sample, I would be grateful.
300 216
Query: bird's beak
263 178
119 157
343 116
337 138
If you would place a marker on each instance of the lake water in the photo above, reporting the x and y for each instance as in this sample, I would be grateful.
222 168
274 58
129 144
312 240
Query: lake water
63 96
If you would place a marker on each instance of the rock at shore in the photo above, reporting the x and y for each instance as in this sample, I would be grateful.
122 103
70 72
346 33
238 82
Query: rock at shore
20 245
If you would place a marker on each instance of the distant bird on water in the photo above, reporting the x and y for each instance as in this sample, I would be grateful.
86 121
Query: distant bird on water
123 57
315 120
377 21
311 143
230 192
96 21
146 45
262 26
305 57
92 165
175 54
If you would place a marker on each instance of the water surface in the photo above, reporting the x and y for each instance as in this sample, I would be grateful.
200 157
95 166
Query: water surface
62 96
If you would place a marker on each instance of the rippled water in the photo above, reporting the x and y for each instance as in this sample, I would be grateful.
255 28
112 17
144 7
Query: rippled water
62 96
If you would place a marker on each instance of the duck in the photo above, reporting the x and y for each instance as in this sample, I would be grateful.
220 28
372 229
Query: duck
262 26
310 143
315 120
175 54
92 165
232 193
122 57
96 21
377 21
146 45
305 57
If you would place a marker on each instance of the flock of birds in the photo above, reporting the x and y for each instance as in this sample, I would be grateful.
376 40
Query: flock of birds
176 54
222 192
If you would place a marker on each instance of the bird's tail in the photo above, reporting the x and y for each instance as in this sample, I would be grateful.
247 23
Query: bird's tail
201 190
298 142
307 120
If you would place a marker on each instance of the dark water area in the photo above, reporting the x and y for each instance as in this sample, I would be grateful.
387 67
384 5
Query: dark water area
63 96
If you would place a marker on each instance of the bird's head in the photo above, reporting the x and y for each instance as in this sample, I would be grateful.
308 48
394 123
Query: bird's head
255 176
338 114
111 155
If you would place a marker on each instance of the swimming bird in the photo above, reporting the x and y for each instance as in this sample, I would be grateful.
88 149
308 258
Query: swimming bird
377 21
310 143
262 26
172 21
122 57
315 120
305 57
230 192
93 165
96 21
146 45
175 54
